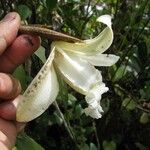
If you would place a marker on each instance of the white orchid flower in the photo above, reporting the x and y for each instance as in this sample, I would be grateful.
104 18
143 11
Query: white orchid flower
75 62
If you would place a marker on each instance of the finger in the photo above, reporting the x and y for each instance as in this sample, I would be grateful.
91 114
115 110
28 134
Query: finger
8 109
8 112
18 52
8 134
8 30
3 145
9 86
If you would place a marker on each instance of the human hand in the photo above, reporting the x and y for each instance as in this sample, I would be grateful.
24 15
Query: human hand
13 52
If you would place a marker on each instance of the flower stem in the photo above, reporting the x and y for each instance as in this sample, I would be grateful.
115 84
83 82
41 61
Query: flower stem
47 33
65 122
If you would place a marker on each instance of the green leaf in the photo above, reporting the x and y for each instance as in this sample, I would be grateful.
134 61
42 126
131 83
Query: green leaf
134 64
129 104
146 89
93 146
24 142
83 146
142 52
119 90
78 111
109 145
24 11
120 73
20 74
71 99
41 54
56 118
51 4
144 118
141 146
147 40
14 148
71 1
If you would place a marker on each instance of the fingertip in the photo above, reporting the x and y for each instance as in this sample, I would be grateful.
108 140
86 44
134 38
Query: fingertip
31 41
11 16
8 109
9 26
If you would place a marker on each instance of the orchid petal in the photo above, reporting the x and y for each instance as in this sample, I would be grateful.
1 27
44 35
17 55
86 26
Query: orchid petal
93 46
106 19
78 73
93 99
101 59
40 94
94 112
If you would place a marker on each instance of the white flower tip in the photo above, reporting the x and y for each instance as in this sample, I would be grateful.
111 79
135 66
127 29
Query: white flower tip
106 19
93 99
94 112
112 59
117 58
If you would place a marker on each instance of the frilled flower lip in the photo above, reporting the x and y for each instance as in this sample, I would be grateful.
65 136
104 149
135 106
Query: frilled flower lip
75 62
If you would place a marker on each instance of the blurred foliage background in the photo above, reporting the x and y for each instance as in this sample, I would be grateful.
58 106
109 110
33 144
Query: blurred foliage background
125 124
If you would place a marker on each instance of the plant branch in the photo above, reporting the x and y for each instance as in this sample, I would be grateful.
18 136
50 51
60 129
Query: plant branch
96 135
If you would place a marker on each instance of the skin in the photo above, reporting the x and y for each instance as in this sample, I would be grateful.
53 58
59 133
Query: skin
14 50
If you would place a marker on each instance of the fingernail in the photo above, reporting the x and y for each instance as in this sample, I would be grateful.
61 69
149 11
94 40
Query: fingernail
29 39
9 17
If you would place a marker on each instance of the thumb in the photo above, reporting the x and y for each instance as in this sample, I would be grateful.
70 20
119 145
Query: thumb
9 26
